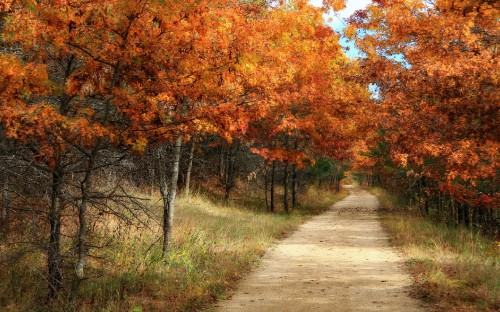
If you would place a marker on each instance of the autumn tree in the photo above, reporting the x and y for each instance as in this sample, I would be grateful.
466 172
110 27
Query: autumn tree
436 66
85 84
90 76
311 105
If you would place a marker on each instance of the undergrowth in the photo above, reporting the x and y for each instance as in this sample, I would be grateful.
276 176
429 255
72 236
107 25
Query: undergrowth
215 245
454 268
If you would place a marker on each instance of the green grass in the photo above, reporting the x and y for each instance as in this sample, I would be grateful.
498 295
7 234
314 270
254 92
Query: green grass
215 244
454 269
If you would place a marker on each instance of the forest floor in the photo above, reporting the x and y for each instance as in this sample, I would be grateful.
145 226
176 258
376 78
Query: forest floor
337 261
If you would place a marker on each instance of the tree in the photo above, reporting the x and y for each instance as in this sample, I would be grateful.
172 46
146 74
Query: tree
435 64
86 84
311 108
88 76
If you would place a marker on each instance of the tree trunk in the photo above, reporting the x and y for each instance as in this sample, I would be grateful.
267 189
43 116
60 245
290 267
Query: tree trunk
168 193
470 217
266 182
294 186
453 212
189 168
285 188
465 211
273 169
425 195
5 205
426 204
85 190
221 163
481 221
226 169
460 214
230 169
54 259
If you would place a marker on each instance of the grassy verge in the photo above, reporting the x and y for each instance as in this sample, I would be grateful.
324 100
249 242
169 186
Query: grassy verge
215 245
454 269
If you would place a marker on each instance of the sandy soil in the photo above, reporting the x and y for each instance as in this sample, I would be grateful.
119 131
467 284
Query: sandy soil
338 261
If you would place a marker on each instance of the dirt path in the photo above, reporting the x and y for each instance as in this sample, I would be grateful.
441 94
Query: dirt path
338 261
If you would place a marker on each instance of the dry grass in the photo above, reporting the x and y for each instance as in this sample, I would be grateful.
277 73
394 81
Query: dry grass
454 269
215 245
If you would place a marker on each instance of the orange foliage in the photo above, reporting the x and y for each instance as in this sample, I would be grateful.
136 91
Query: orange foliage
135 73
437 67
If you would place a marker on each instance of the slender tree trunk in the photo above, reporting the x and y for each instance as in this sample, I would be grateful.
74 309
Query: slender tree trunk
470 217
426 204
480 221
460 215
230 170
86 185
464 214
54 259
226 167
168 193
266 182
453 214
5 204
294 186
85 190
189 168
228 173
426 196
221 163
273 170
285 188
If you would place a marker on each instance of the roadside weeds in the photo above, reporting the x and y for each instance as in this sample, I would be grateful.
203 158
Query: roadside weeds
453 268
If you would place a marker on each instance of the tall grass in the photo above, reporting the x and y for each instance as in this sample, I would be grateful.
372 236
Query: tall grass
454 269
215 245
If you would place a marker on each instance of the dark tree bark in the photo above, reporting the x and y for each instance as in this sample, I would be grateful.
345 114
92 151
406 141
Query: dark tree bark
54 258
4 221
5 206
85 191
285 188
86 183
273 171
266 183
189 169
230 169
295 186
168 191
221 164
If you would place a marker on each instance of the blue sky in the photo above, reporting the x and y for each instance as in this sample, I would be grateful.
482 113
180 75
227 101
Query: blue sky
336 20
